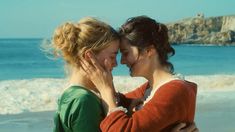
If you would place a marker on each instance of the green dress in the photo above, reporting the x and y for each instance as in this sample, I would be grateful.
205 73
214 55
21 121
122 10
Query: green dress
79 110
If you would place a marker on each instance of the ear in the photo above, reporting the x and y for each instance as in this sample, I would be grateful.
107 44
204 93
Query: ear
151 51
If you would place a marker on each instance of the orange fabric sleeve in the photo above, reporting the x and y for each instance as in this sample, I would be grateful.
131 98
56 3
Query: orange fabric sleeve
172 103
125 99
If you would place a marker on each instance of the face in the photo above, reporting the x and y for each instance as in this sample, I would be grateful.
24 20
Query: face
110 54
131 57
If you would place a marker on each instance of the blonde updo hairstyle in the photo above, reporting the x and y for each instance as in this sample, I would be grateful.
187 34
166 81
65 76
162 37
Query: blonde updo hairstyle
71 40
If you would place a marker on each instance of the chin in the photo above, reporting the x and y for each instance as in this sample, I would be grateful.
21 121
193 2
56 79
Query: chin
135 74
132 74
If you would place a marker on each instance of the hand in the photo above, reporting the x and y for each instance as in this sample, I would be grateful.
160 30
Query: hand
134 103
183 128
101 77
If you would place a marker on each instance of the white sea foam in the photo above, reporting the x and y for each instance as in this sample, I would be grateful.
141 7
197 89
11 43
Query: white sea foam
213 82
17 96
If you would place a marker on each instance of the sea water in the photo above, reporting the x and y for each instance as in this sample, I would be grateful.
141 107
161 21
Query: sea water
30 84
24 59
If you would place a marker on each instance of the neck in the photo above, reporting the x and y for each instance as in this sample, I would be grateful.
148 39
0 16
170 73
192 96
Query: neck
158 77
78 77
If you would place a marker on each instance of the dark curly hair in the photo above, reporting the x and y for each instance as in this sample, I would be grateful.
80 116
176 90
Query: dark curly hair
142 32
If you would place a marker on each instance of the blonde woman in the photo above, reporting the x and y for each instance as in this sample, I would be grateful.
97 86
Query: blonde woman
80 108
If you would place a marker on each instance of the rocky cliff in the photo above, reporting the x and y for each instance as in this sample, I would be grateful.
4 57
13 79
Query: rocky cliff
201 30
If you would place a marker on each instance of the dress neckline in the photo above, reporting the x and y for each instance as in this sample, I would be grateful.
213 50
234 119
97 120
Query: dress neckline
79 85
148 94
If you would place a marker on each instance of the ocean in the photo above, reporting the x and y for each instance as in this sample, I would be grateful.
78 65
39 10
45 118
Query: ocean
31 83
23 59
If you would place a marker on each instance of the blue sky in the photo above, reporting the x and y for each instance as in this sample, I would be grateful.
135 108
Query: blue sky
39 18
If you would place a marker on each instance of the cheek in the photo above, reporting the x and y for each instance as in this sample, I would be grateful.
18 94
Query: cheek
142 66
110 64
132 59
110 61
101 60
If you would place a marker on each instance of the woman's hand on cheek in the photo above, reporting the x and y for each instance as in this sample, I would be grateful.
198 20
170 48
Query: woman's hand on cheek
101 77
108 68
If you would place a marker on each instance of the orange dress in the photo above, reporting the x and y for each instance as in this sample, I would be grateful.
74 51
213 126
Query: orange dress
172 103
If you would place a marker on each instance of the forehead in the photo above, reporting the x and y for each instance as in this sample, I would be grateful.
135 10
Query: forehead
112 48
125 44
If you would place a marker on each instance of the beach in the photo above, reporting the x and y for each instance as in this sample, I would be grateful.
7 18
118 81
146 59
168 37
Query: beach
33 77
31 83
28 105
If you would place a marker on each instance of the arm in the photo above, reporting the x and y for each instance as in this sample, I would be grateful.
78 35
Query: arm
165 108
138 92
127 99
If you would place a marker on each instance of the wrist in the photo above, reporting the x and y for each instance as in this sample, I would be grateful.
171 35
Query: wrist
107 92
109 99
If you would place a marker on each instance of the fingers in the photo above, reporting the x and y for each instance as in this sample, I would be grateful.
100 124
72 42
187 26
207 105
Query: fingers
195 127
88 68
92 66
94 61
196 130
178 127
135 103
107 65
85 68
182 127
191 128
108 68
139 101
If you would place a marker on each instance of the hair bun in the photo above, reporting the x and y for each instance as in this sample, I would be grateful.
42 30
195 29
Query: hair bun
65 37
